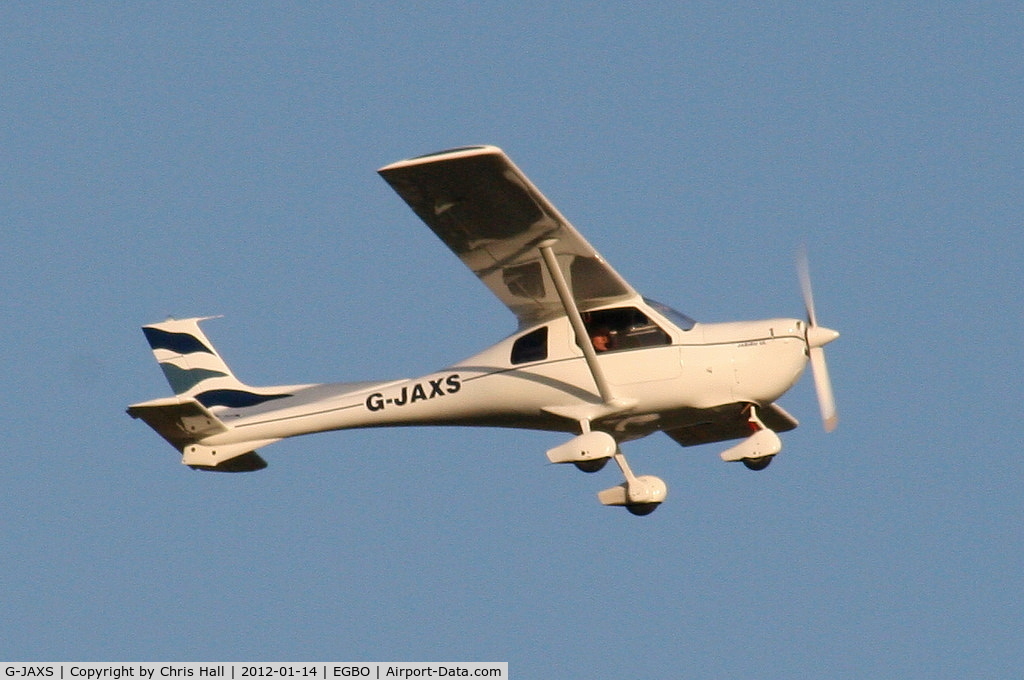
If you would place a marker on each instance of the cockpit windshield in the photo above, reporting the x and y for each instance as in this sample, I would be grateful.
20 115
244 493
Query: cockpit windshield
683 322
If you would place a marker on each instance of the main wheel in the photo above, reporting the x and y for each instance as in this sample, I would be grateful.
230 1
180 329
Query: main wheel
591 465
641 509
757 463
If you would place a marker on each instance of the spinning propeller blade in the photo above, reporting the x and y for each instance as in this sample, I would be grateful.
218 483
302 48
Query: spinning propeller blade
817 337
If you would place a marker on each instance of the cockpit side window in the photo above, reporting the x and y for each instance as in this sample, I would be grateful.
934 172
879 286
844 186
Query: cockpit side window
531 347
623 328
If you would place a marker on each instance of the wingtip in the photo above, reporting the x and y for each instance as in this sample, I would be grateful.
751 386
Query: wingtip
444 155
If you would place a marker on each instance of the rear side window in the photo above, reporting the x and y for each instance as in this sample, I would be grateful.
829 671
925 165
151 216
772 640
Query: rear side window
531 347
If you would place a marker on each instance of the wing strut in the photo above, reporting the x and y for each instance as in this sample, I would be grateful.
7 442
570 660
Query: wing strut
573 312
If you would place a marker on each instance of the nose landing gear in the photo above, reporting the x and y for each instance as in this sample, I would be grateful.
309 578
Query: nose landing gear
757 450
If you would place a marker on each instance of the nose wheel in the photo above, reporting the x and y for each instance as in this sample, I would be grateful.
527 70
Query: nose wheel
757 463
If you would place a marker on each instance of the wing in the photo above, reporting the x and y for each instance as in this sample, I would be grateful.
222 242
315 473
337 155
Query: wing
731 422
493 218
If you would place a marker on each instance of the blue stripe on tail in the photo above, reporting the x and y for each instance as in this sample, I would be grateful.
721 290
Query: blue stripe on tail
235 398
182 343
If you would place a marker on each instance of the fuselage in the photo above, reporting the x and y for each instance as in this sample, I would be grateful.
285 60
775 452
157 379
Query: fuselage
666 369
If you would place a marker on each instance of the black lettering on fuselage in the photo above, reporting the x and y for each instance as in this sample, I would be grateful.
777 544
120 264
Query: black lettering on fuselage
375 402
435 388
450 384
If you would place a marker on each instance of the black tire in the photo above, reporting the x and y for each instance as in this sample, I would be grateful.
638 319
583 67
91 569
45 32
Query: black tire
757 463
591 465
641 509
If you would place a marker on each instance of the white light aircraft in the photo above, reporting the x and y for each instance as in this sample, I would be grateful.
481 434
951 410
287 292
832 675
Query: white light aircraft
590 358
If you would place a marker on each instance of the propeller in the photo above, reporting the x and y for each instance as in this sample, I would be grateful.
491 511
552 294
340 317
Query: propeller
817 337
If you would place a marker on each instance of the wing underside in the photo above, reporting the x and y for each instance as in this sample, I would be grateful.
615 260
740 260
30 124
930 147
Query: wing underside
731 421
493 218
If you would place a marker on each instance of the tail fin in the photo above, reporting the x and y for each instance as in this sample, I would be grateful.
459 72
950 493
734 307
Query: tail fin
195 370
187 357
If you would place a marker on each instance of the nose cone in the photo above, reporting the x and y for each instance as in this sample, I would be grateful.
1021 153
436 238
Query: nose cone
819 336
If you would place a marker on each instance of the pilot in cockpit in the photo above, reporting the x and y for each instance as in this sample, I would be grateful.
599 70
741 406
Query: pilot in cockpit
601 338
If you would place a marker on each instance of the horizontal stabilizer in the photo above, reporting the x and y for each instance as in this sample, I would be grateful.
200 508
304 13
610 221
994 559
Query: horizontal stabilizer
178 420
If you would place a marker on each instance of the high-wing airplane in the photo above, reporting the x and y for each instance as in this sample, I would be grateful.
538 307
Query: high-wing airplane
590 358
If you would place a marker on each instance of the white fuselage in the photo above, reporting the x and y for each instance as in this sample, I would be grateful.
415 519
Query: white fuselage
661 387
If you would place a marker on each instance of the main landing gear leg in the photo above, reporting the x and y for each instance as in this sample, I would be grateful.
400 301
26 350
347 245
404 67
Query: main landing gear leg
640 495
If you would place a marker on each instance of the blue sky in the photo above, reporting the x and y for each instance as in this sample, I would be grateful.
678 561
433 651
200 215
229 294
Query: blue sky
200 159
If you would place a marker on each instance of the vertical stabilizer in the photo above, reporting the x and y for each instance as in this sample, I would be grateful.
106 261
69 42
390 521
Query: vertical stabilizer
188 359
196 371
